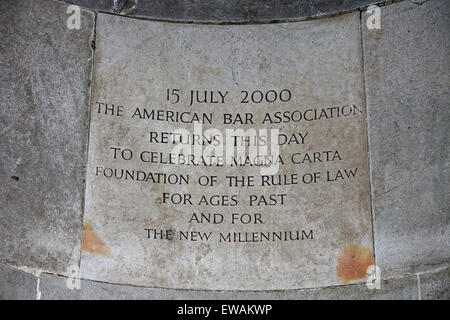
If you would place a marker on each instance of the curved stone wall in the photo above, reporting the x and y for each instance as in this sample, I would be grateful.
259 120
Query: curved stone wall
53 76
221 11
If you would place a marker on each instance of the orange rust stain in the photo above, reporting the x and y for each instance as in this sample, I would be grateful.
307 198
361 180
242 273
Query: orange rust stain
353 263
92 243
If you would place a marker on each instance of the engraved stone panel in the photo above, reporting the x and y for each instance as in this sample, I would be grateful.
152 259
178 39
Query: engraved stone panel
284 203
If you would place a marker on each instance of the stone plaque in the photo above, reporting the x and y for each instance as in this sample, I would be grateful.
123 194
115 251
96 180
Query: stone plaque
227 157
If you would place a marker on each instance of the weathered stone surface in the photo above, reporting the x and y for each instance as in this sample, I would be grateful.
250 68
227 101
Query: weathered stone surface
54 287
225 10
435 286
319 64
16 284
43 128
407 79
45 77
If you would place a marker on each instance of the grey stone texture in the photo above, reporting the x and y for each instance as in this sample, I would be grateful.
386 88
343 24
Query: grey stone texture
16 284
235 11
45 77
55 287
435 286
45 88
407 67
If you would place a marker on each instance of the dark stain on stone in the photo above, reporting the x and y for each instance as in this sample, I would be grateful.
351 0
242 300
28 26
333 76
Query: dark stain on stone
30 99
15 178
124 6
